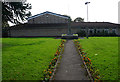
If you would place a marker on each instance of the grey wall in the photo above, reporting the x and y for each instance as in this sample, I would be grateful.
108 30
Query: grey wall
38 32
30 30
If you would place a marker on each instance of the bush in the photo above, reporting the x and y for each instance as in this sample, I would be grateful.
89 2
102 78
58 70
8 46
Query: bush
91 33
5 32
112 34
81 33
102 33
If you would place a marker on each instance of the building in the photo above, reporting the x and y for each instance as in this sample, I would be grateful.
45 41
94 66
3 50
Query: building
48 18
48 24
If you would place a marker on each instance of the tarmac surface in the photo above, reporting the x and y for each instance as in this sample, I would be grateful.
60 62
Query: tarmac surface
71 66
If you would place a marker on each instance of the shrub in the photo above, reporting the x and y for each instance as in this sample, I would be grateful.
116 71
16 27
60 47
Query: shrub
5 32
94 72
81 33
48 73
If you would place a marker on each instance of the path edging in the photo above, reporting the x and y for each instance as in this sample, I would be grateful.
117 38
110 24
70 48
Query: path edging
56 65
89 74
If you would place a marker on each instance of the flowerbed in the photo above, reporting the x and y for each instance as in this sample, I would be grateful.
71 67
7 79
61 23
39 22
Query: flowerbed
94 73
48 74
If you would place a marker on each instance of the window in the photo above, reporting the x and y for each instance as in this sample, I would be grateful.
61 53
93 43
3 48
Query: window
113 30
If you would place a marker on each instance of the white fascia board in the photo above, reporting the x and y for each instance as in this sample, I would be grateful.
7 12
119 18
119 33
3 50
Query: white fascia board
47 13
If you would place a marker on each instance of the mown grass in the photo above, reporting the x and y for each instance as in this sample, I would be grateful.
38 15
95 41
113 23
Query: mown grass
103 52
26 58
0 59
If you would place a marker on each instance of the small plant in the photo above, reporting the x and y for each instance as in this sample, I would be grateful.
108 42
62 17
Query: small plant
94 72
48 72
64 34
75 34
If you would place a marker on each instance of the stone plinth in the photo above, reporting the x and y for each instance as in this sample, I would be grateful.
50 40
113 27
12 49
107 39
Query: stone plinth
74 36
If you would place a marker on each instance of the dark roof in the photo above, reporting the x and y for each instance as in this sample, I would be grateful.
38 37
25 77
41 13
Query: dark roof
65 25
94 24
47 12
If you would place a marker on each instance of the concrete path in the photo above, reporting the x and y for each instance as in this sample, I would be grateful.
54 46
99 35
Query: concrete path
71 66
81 37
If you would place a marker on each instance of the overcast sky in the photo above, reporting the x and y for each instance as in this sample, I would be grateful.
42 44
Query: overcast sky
99 10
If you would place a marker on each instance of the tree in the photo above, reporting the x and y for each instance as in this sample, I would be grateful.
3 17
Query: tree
68 17
15 12
79 19
5 24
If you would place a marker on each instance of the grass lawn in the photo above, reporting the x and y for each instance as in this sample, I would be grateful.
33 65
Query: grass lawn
26 58
103 52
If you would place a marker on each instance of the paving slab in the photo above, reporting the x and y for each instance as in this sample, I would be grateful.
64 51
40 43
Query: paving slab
71 66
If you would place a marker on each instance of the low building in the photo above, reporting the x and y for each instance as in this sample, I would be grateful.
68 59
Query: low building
50 24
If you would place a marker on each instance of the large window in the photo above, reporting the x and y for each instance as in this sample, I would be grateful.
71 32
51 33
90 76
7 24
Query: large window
113 30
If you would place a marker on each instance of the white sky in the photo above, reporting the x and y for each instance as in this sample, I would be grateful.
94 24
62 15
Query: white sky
99 10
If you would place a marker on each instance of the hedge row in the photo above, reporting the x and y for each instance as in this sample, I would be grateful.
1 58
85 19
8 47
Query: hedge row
82 33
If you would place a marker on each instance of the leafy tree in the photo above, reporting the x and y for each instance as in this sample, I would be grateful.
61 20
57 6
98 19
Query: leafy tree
15 12
5 24
68 17
79 19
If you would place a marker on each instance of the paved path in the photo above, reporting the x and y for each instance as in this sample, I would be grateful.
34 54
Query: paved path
81 37
71 66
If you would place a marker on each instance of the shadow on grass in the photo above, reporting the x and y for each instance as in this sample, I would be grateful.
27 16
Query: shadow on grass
26 44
